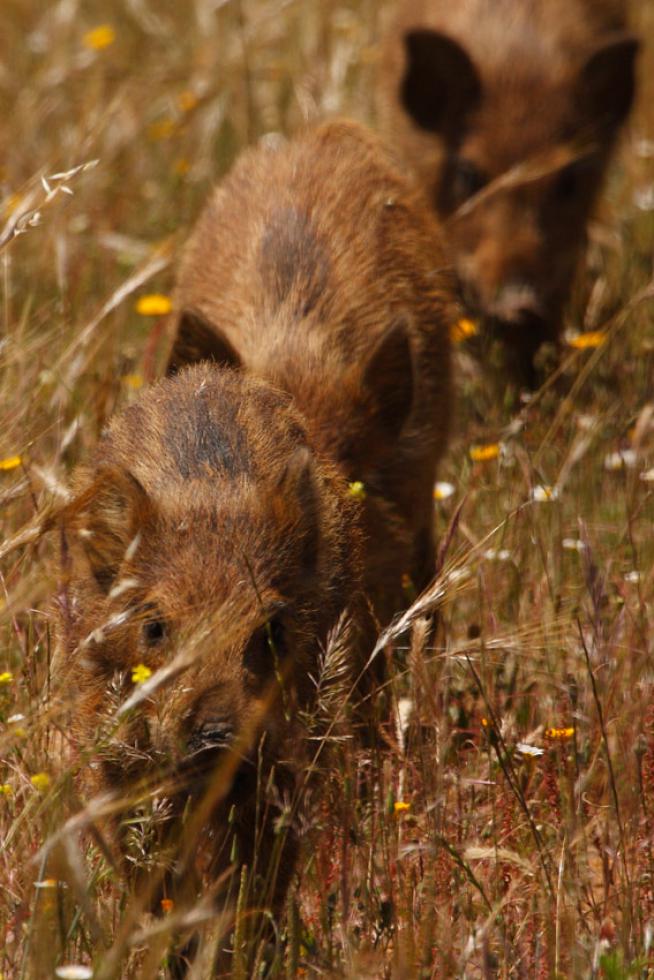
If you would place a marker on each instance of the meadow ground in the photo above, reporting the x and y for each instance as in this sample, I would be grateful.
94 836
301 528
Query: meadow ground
507 827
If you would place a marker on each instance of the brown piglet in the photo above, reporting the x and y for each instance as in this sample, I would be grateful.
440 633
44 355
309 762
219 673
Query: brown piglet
209 552
316 266
239 510
507 112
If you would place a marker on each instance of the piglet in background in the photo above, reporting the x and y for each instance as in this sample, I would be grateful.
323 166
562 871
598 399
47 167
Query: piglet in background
507 112
316 266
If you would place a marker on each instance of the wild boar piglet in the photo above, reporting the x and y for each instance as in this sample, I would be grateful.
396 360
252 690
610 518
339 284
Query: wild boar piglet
208 543
507 112
316 265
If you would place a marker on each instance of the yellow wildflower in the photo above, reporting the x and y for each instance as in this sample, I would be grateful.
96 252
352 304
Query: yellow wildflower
559 734
187 100
134 381
163 129
6 789
463 329
482 454
100 37
181 167
40 781
587 341
153 304
6 677
400 807
10 463
357 490
140 674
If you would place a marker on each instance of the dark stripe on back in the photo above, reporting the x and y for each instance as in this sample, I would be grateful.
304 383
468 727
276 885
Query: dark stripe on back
196 439
293 263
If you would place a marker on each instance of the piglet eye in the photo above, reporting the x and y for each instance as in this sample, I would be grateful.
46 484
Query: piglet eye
154 632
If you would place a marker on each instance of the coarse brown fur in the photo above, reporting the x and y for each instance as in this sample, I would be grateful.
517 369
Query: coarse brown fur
216 522
208 538
317 267
507 111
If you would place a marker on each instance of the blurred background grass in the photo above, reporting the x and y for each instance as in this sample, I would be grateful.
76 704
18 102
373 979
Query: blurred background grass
163 96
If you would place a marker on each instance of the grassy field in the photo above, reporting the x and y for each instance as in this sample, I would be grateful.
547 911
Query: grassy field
507 828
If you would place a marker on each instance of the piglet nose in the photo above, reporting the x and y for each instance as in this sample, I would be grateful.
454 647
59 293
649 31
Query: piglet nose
516 302
215 734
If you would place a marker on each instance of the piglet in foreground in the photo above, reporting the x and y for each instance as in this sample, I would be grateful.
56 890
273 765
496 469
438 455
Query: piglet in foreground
315 265
208 552
507 112
240 509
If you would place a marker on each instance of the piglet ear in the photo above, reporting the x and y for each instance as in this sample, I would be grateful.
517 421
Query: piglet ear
440 85
198 340
388 383
104 522
608 80
298 497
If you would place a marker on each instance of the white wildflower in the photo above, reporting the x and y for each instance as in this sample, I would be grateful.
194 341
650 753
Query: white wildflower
624 459
443 490
544 494
531 751
573 544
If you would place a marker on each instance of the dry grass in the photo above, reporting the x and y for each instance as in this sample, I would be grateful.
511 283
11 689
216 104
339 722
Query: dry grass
503 826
